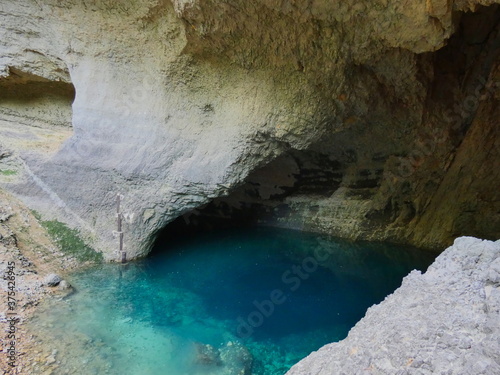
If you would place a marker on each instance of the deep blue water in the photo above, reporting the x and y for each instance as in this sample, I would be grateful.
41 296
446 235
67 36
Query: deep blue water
261 298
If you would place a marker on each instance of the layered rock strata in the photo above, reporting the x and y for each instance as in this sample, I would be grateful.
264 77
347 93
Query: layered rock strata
388 110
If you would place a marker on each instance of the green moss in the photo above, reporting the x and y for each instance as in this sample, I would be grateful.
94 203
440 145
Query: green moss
7 172
69 240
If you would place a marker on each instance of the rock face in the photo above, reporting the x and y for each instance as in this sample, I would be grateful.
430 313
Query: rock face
446 321
373 113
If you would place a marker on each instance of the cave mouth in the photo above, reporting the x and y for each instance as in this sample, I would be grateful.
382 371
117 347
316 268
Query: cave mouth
274 292
262 198
297 190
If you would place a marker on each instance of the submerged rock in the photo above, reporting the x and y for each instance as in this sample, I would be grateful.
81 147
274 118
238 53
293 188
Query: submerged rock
445 321
64 285
237 358
232 359
207 355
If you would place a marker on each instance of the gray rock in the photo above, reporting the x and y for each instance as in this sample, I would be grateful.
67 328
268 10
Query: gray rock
52 280
440 322
50 360
64 285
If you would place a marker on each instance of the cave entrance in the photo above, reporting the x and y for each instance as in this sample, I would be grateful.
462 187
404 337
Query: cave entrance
225 272
262 198
306 190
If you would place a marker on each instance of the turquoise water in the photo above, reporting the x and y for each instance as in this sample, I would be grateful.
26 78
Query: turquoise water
252 301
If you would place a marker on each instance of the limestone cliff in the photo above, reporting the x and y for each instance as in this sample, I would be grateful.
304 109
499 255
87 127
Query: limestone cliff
364 119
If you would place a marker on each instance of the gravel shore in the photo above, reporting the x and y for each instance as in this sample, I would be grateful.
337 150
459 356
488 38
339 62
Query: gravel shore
27 257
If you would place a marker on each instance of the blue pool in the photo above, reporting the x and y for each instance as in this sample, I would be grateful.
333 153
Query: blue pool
246 301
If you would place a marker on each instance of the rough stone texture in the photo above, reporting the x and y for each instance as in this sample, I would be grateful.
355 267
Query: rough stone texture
421 180
446 321
52 280
176 103
27 254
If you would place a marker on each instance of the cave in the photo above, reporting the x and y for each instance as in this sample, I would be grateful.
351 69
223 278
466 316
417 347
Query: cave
250 181
368 181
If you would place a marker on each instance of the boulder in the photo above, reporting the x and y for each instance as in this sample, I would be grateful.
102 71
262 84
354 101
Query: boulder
52 280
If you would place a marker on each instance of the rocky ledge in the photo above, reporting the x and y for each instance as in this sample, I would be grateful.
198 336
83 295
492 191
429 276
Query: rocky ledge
445 321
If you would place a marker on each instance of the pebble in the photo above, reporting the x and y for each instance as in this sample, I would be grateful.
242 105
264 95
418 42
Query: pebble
52 280
50 360
64 285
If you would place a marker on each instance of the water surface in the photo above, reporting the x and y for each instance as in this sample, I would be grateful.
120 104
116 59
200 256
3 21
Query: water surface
255 300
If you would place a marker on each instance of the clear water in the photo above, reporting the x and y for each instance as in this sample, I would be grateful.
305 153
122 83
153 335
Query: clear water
231 302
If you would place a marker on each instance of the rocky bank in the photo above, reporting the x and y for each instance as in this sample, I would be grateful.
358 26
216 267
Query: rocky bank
446 321
28 259
368 120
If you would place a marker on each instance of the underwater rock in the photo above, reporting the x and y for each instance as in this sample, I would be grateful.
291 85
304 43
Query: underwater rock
64 285
231 359
207 355
236 358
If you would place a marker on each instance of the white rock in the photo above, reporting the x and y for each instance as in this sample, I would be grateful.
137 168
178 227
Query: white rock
52 280
448 330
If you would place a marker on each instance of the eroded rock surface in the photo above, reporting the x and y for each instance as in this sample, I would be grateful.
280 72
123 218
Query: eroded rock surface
446 321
